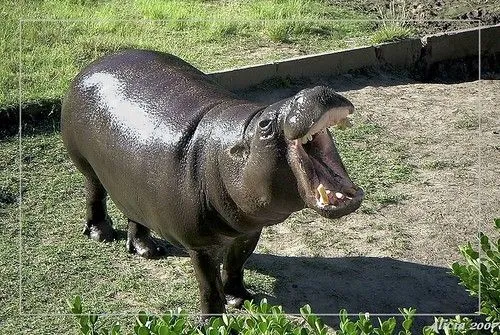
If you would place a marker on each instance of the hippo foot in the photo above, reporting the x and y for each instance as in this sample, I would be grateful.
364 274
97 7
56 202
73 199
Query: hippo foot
235 298
145 247
101 231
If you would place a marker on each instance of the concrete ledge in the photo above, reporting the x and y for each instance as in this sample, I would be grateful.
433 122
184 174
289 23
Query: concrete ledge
403 54
414 55
461 44
244 77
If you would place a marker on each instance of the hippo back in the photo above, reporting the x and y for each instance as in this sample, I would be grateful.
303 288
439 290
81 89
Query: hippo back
131 118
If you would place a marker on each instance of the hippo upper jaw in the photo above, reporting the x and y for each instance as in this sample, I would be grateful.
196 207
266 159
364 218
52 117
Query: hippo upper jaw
315 109
322 180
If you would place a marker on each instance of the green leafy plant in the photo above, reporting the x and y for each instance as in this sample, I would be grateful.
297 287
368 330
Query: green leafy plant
88 322
261 318
481 274
364 324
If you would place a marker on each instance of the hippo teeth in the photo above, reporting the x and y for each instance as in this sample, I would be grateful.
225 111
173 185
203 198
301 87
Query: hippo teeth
335 116
306 138
326 197
323 197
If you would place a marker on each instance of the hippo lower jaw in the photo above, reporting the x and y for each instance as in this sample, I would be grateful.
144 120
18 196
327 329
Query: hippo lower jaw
322 180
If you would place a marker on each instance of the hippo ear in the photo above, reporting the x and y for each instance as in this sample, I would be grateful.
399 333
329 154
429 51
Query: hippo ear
240 150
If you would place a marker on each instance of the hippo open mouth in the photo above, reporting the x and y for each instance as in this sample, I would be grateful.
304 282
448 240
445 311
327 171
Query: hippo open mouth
321 177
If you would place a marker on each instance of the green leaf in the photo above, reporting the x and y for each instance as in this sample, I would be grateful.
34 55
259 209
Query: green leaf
364 324
250 323
485 242
164 330
300 331
76 305
343 316
85 329
264 306
407 324
115 330
319 325
388 326
263 326
142 331
179 325
216 322
350 328
497 223
166 318
77 302
456 268
93 318
470 252
305 311
141 318
248 305
225 319
84 320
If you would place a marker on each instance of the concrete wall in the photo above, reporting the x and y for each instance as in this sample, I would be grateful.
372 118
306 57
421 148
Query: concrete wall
409 54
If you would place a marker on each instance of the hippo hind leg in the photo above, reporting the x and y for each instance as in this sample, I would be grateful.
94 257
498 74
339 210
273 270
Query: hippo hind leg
98 225
140 241
232 272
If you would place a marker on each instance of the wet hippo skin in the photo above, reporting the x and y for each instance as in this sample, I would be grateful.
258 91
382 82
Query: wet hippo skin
182 156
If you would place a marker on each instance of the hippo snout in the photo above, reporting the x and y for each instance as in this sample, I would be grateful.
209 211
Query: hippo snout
312 110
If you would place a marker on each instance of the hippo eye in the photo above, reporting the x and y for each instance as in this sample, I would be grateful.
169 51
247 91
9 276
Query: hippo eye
266 128
298 99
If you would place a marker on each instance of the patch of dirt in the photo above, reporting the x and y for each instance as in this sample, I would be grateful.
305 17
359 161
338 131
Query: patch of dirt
400 255
430 16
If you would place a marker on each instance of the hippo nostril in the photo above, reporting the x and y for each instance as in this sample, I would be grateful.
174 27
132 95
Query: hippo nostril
266 128
264 124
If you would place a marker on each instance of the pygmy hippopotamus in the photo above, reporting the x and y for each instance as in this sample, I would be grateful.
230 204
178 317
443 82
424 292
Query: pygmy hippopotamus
206 170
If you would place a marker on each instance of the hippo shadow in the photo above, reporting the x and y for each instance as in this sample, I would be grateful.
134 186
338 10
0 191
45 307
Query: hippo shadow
357 284
361 284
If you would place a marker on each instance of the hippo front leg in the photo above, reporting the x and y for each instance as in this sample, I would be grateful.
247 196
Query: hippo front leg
207 269
232 273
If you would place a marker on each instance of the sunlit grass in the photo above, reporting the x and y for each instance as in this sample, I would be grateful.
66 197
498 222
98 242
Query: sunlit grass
212 35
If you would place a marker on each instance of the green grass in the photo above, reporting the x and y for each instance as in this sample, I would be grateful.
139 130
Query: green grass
391 33
376 161
212 35
468 122
394 25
